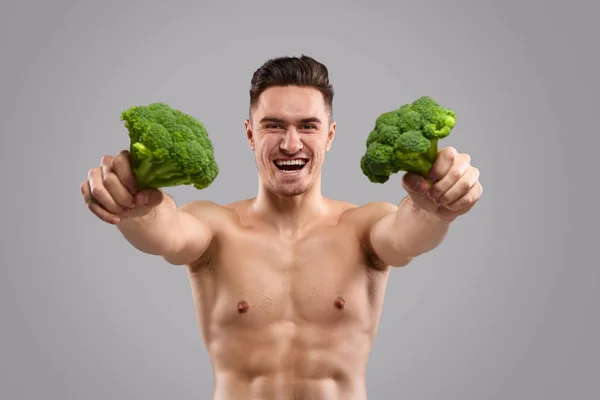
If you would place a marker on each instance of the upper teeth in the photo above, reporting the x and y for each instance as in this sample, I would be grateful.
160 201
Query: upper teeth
290 162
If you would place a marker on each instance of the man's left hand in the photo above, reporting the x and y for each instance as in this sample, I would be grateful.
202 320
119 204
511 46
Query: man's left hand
454 188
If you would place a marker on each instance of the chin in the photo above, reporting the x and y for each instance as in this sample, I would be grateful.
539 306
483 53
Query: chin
288 187
289 190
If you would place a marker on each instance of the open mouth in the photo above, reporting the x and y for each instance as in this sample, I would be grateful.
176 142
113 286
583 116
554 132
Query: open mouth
290 166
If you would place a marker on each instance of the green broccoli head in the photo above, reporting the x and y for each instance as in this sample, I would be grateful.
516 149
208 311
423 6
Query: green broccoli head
169 148
406 139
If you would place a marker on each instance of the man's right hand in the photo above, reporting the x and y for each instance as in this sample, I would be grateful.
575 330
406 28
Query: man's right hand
111 192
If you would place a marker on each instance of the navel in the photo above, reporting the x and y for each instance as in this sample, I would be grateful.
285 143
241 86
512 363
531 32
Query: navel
242 307
340 303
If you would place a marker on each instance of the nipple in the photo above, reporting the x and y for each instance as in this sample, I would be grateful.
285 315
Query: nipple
340 303
242 307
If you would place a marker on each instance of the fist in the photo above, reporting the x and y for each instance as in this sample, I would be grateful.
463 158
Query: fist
453 189
111 193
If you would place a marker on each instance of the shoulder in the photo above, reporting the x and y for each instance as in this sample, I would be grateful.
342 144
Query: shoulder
361 215
203 207
362 219
215 215
367 214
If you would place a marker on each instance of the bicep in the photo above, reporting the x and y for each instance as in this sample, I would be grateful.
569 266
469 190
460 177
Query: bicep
382 236
194 236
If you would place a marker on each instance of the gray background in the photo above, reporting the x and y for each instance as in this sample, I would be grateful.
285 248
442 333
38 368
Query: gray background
506 308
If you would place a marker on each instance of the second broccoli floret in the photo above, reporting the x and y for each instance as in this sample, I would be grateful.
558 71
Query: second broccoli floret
169 148
406 139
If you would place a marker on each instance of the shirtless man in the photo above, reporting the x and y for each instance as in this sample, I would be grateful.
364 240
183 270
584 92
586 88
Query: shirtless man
289 285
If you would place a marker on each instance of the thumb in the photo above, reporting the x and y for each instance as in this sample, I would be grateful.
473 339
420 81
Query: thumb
415 184
149 197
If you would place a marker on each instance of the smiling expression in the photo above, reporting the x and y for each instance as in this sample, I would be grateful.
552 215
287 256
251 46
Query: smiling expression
290 131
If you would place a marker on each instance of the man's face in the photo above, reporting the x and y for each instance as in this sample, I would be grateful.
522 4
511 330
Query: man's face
290 131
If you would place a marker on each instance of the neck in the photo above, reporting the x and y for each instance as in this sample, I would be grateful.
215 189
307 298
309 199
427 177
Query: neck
289 214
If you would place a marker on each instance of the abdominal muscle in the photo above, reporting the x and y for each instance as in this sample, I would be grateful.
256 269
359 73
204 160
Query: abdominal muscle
285 319
288 360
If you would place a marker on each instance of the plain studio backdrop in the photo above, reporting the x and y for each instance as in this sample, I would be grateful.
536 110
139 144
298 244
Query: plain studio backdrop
505 308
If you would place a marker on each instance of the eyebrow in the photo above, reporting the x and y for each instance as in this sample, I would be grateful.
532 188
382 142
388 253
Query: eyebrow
281 121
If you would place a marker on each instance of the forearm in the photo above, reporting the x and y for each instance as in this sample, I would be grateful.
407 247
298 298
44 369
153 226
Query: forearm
416 231
156 232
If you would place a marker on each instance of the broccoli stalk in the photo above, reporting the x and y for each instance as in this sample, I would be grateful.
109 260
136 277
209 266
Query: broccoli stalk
151 173
168 148
406 139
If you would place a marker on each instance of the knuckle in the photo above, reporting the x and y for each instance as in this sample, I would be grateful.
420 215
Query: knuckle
455 173
108 179
97 190
113 183
454 206
106 160
474 177
94 209
465 185
468 202
117 161
461 203
121 157
98 212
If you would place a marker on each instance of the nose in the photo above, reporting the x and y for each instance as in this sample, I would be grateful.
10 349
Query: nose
291 142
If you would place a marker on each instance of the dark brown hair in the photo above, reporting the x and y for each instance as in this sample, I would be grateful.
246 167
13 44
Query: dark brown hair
301 71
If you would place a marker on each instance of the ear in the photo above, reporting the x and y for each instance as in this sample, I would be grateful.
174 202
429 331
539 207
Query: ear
331 135
249 135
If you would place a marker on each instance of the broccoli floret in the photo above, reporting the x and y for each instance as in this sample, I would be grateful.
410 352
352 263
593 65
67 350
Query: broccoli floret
169 148
406 139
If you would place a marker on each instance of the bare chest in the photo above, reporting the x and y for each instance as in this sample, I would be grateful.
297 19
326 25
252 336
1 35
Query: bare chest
324 279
